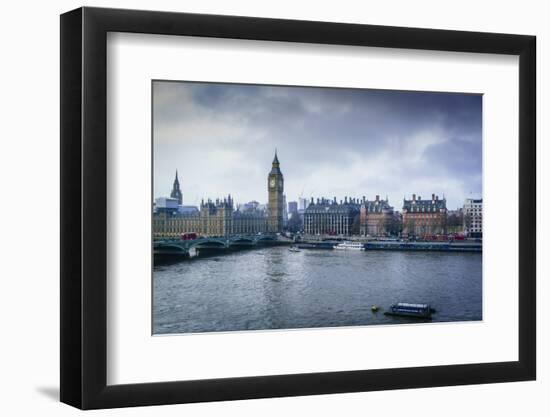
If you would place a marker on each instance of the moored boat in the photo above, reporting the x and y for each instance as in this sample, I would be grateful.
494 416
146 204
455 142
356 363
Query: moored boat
350 246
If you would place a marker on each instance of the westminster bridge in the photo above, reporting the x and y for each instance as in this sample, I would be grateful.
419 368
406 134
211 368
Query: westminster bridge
167 249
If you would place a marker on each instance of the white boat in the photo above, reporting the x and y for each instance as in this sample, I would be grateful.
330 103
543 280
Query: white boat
349 246
293 249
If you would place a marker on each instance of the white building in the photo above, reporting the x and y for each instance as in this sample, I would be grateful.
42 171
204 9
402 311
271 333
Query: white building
171 205
166 203
473 217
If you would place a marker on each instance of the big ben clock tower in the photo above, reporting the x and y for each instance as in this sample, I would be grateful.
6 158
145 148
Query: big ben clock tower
275 187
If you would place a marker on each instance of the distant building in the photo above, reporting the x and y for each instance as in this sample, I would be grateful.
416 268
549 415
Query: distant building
213 218
473 217
251 205
353 216
249 222
329 217
172 223
376 217
292 207
166 204
424 217
302 203
188 209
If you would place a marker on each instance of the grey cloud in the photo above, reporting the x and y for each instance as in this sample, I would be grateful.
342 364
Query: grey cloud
221 138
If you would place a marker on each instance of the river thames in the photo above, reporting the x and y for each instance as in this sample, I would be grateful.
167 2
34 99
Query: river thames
273 288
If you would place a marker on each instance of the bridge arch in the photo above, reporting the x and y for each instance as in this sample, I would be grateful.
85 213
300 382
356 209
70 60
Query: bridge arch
242 241
169 246
208 243
265 238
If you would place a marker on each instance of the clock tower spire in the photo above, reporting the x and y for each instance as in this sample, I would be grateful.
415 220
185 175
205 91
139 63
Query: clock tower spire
275 188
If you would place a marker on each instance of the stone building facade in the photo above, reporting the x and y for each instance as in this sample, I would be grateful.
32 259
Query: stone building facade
378 217
173 224
249 222
327 217
213 218
352 216
424 217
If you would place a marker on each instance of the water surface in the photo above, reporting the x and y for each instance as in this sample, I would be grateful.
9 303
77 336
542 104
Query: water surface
273 288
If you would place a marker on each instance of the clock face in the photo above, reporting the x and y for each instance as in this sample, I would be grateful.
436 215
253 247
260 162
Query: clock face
272 182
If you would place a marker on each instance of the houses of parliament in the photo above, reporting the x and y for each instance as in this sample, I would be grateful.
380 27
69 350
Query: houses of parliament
220 217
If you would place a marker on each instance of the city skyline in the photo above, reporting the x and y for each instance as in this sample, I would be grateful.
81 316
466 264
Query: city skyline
331 142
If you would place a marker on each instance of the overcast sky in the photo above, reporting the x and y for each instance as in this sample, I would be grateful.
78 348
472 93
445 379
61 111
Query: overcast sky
331 142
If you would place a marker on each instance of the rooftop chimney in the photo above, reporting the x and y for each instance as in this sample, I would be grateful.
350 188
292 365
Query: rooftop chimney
414 197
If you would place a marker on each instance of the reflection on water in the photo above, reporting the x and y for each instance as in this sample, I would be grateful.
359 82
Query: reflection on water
273 288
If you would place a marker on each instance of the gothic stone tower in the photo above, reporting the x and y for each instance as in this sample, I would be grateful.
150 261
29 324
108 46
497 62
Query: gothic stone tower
176 191
275 188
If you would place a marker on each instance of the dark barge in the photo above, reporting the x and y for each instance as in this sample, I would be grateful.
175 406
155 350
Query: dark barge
422 311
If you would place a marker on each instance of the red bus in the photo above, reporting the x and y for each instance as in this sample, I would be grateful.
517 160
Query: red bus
189 236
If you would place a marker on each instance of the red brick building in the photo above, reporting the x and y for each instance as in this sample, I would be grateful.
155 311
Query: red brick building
424 217
375 217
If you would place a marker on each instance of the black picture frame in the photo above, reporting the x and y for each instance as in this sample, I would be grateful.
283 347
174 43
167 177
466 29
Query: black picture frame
84 207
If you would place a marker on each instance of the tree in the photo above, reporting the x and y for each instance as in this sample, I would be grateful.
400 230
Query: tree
295 223
455 222
381 230
394 225
410 227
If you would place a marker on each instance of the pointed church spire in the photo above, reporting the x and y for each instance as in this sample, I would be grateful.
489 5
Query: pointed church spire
176 191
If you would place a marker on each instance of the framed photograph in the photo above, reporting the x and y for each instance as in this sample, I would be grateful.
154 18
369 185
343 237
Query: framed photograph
257 208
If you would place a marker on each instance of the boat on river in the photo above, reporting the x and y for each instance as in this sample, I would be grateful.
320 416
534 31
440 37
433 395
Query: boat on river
316 245
350 246
423 311
293 249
